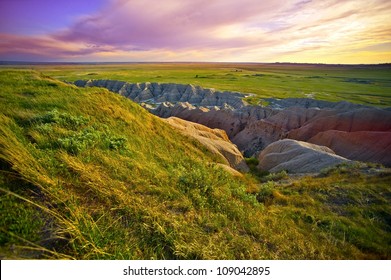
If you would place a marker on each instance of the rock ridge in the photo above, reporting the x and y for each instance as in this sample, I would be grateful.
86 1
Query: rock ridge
156 93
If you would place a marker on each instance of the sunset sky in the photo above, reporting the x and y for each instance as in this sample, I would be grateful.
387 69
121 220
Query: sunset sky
317 31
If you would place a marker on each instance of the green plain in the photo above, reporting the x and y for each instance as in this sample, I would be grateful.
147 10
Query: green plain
363 84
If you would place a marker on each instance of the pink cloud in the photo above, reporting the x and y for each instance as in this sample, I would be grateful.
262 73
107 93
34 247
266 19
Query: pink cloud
44 47
166 24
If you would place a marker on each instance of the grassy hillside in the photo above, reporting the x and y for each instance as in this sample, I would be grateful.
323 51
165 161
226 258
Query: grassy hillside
370 85
88 174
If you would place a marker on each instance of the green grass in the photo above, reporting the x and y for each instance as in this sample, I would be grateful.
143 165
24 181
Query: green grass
370 85
88 174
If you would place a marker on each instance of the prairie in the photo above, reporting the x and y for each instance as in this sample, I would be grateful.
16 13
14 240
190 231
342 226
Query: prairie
363 84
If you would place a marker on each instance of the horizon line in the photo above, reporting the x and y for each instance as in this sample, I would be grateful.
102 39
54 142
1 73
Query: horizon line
21 62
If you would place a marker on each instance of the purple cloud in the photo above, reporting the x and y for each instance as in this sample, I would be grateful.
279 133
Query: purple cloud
166 24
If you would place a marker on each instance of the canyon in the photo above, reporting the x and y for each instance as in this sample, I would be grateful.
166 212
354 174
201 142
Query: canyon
351 131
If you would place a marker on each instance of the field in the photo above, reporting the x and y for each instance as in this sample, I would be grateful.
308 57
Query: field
363 84
88 174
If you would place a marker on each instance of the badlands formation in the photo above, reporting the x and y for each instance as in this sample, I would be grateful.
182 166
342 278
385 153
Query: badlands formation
297 157
215 140
321 133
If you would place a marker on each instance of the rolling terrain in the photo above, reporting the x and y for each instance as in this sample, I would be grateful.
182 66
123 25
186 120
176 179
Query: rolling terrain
362 84
355 131
89 174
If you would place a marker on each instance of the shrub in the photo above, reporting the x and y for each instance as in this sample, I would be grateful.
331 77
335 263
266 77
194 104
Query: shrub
72 133
90 137
80 141
276 176
63 119
265 193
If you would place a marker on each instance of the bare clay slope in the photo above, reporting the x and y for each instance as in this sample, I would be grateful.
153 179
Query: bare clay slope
353 120
370 146
215 140
297 157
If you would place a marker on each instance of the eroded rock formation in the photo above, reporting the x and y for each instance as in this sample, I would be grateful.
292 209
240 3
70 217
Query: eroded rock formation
354 131
168 92
370 146
353 120
215 140
297 157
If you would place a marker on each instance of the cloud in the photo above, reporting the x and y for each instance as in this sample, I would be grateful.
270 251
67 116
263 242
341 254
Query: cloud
167 24
16 47
219 30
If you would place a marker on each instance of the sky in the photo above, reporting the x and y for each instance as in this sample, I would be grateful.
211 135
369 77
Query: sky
309 31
